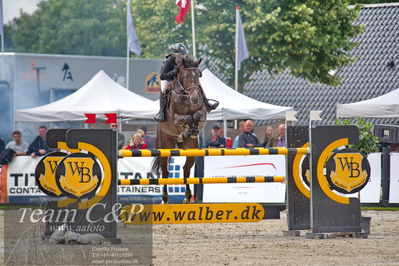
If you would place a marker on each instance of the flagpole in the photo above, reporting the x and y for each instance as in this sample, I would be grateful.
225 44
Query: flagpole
127 45
236 48
193 28
2 40
2 57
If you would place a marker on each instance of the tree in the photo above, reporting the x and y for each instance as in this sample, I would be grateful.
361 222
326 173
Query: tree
308 37
368 143
71 27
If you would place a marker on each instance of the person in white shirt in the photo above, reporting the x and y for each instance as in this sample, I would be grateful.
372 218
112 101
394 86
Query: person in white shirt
18 145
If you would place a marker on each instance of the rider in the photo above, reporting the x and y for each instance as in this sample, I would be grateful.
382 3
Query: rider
169 71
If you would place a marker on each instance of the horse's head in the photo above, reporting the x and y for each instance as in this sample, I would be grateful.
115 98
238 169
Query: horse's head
189 77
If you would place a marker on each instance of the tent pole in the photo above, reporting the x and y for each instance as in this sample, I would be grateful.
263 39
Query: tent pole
119 121
224 128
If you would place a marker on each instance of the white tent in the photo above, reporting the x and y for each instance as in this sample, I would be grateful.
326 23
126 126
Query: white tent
234 105
384 106
103 95
100 95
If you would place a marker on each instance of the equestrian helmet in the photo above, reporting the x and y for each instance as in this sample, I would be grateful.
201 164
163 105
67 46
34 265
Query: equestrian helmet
179 48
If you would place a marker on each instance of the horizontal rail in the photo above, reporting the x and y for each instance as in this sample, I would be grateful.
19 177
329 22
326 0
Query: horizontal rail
202 180
211 152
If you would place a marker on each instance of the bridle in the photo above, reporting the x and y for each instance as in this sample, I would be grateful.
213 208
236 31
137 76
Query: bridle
183 92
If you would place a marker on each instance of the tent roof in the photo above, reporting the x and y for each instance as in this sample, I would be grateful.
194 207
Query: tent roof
103 95
100 95
384 106
234 105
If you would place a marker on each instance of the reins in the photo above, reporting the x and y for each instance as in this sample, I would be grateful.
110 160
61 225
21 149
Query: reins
184 92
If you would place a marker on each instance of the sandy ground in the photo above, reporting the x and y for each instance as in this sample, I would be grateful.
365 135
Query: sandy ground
261 244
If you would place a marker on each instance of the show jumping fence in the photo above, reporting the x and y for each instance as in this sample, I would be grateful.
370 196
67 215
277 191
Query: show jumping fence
211 152
201 180
317 207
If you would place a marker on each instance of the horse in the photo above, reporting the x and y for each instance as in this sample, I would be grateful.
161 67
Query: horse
185 115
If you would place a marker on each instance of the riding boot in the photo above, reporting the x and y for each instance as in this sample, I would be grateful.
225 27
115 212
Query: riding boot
209 106
160 116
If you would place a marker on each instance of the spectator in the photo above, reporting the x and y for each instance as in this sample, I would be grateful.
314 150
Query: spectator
136 142
247 139
139 132
241 129
150 141
215 141
281 136
18 145
39 145
270 140
121 137
229 142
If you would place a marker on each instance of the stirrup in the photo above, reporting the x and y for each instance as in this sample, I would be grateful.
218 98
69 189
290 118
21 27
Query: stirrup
212 106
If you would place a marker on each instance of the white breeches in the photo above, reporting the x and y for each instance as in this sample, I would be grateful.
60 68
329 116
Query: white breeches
164 85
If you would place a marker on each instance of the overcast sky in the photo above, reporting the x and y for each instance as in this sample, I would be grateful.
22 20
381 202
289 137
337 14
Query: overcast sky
11 8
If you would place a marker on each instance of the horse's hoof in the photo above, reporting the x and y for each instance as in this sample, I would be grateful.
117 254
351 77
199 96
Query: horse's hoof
164 202
186 201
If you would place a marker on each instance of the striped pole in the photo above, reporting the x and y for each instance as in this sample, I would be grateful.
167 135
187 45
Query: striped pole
202 180
211 152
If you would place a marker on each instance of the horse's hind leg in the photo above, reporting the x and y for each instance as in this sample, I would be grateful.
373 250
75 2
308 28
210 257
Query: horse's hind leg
165 142
165 173
186 169
192 144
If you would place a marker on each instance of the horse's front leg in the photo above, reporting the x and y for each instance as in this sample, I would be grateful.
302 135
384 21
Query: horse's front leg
189 127
195 125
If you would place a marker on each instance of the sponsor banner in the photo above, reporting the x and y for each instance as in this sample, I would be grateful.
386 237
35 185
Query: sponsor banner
140 168
192 213
21 183
22 188
254 165
371 192
394 181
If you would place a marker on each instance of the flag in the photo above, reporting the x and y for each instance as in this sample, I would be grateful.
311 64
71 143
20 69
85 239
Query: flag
183 5
91 118
134 43
241 44
111 118
1 18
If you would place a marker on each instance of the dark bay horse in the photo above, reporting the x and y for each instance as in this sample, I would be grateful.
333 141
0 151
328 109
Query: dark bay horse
185 115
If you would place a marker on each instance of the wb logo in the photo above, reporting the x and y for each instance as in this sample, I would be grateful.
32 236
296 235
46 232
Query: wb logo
80 170
348 171
78 175
347 164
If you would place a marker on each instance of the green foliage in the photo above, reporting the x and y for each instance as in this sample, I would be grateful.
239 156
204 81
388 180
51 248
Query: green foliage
71 27
368 143
308 37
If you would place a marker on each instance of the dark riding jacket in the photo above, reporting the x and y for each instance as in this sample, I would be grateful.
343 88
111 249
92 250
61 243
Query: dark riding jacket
169 68
248 138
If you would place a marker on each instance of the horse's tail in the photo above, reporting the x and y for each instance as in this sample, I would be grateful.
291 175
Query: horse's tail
156 162
156 166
